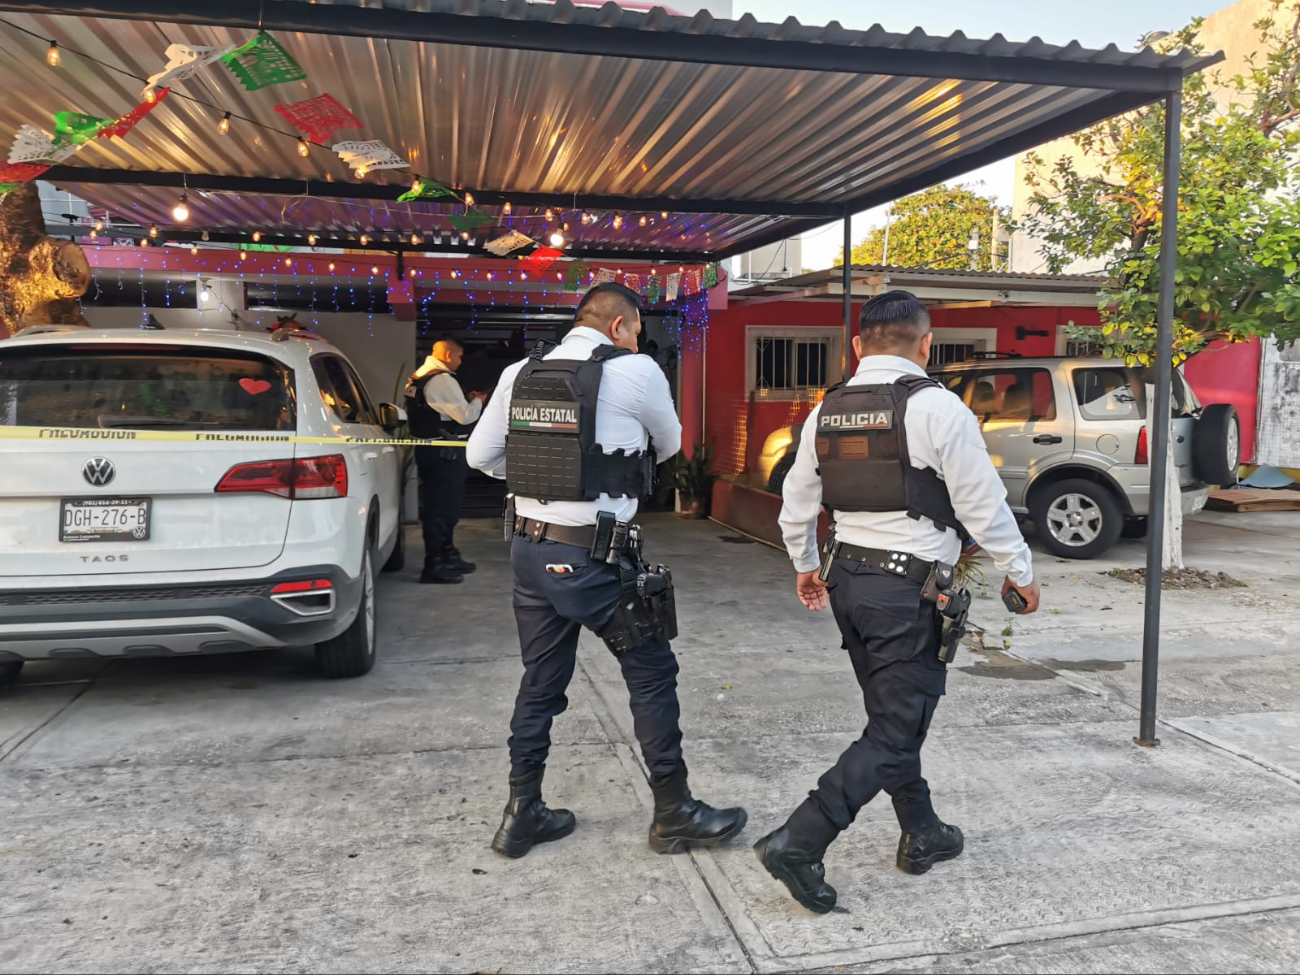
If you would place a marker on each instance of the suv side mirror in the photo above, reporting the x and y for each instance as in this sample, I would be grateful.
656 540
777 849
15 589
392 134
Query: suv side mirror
391 417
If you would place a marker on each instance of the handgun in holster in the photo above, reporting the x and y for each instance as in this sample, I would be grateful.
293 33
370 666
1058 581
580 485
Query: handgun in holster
647 606
953 605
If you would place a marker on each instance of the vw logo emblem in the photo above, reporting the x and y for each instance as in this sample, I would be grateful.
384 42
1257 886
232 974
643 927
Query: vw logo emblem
99 471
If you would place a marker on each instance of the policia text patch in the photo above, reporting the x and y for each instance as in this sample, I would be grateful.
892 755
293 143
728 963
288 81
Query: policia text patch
864 420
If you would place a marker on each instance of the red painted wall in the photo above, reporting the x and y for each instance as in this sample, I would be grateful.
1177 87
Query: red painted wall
738 426
1226 373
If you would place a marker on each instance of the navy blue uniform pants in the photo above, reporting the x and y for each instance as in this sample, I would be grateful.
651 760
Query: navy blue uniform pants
442 486
551 608
892 638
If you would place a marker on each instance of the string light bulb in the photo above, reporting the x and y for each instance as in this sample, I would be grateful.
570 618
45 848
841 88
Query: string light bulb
303 148
360 172
618 222
153 230
557 239
94 233
144 241
99 224
52 57
243 254
181 211
506 207
374 269
523 275
464 235
206 235
288 262
257 235
151 94
224 125
415 240
194 248
331 267
663 214
550 214
643 220
311 240
583 217
416 187
364 240
469 199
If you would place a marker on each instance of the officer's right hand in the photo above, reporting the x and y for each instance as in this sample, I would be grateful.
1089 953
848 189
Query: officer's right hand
1029 593
810 590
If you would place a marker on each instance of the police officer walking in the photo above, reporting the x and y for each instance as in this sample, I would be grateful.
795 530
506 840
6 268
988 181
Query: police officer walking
437 409
573 431
901 464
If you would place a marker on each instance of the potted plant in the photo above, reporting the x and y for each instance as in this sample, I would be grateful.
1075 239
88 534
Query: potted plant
693 481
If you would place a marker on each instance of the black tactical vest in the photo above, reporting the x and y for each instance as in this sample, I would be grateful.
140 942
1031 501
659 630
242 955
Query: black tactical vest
863 458
425 422
551 449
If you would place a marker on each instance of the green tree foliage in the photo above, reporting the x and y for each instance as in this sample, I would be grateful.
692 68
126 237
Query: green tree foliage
933 229
1238 207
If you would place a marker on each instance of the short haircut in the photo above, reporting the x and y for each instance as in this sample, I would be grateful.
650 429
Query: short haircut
893 320
605 302
449 340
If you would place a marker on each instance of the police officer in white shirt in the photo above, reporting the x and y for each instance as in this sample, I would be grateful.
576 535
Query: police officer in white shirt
437 409
571 431
900 463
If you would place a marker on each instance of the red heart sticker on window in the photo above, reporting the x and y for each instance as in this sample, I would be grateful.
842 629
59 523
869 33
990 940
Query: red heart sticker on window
254 386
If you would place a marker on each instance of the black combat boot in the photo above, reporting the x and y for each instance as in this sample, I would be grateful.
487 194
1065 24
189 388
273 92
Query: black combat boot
440 572
527 820
793 855
456 562
920 849
681 820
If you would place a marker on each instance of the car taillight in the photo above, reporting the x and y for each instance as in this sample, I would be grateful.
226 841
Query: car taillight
299 480
1141 456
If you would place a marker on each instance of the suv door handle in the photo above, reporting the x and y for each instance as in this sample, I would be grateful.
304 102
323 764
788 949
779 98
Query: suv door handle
1046 438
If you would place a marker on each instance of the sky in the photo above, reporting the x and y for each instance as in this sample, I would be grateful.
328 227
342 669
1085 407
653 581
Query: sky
1093 24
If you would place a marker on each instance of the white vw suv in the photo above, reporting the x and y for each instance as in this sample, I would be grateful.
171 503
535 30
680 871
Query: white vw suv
227 534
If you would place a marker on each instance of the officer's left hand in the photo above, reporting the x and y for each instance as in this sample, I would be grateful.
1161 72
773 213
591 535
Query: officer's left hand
810 590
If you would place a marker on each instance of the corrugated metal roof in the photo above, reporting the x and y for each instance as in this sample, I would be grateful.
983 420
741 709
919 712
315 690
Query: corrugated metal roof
903 276
501 118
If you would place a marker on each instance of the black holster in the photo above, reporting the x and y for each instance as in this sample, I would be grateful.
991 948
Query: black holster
646 610
952 605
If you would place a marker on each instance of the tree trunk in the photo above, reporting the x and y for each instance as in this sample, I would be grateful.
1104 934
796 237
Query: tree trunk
1172 551
41 278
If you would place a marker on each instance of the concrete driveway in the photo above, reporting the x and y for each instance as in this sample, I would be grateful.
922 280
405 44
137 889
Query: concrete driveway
239 814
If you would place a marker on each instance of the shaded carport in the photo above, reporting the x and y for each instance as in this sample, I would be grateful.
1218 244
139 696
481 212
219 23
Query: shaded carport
682 138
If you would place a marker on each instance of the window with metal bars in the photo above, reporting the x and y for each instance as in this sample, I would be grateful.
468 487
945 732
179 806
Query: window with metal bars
792 362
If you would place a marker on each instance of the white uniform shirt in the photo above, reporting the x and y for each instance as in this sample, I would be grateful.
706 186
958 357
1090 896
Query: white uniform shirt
943 435
443 393
634 406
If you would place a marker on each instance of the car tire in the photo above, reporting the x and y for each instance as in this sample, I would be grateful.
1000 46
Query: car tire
9 671
1216 444
352 652
397 559
1134 528
776 480
1077 518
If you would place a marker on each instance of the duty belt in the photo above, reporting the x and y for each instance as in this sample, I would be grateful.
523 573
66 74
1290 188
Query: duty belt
540 531
895 563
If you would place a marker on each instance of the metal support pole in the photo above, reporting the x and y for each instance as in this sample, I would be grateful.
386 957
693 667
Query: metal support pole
1160 425
848 294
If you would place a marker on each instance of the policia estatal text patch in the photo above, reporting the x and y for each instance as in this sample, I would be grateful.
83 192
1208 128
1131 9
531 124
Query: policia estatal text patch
541 415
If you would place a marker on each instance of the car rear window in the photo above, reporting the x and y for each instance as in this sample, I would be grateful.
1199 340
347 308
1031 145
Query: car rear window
94 386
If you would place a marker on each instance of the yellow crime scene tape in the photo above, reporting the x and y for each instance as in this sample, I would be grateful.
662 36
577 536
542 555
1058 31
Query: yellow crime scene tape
64 434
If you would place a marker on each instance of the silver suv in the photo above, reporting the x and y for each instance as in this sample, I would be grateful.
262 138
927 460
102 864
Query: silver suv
1068 436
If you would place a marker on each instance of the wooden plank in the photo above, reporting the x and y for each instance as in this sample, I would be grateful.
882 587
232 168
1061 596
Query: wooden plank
1254 499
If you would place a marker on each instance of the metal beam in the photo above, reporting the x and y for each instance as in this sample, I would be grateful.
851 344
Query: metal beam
1161 421
325 241
847 285
337 190
597 33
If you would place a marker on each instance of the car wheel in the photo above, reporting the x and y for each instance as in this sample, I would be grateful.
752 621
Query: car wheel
9 671
352 652
776 480
1077 518
398 557
1216 444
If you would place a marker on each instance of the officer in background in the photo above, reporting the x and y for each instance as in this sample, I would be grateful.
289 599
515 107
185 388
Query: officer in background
437 409
900 463
573 431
